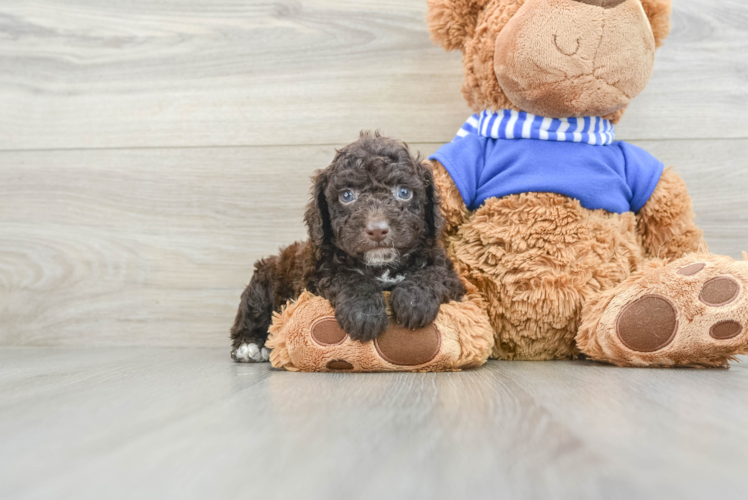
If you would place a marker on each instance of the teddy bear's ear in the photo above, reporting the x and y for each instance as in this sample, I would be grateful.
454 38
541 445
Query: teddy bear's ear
451 22
658 12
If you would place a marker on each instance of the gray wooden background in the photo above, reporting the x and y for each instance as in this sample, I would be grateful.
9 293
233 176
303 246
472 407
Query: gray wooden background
151 150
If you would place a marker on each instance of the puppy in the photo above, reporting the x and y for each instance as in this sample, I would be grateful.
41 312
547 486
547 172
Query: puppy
374 224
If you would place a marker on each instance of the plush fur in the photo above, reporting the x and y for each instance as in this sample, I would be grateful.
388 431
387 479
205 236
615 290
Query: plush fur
555 276
375 225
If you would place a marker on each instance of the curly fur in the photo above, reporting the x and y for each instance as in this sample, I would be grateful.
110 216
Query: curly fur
539 256
453 208
666 226
347 267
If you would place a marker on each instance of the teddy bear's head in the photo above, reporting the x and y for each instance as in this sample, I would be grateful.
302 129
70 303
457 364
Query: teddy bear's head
554 58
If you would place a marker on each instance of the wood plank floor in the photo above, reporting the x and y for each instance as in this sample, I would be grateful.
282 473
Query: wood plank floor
153 423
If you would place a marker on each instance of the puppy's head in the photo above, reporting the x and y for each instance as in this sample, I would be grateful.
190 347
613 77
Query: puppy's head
376 202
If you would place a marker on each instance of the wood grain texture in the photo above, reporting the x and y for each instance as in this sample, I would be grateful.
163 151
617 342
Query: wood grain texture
153 423
153 247
698 89
226 72
139 246
144 73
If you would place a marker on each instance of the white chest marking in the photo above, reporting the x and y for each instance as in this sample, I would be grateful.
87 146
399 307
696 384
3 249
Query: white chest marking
387 280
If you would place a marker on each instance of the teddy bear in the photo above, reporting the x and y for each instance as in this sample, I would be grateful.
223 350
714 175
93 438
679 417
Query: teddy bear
305 336
579 245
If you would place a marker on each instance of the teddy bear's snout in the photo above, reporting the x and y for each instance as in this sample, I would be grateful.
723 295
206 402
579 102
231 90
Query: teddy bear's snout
563 58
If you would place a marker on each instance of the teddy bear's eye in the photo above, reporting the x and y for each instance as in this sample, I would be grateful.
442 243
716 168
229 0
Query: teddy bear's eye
404 194
347 196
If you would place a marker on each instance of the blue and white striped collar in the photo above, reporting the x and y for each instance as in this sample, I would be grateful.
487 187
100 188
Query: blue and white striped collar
510 124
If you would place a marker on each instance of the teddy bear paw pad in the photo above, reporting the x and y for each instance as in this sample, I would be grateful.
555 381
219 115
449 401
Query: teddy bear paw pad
692 312
648 324
403 347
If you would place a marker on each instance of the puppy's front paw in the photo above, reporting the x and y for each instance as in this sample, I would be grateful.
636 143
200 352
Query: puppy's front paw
413 306
250 352
363 319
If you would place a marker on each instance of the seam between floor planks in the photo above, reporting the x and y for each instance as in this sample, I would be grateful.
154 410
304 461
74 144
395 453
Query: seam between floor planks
330 145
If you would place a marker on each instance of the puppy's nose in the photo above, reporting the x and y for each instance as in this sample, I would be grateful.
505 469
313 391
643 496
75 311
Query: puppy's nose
377 230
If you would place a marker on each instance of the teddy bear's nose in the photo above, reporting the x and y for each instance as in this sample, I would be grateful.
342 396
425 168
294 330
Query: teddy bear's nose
605 4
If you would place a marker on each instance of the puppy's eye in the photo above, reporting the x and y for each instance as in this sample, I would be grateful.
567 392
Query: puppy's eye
347 196
404 194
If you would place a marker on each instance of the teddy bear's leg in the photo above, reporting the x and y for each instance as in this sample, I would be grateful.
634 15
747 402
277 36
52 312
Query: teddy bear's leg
535 258
691 312
665 225
453 208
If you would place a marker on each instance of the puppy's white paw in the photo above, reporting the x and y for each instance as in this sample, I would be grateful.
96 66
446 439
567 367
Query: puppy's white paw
250 353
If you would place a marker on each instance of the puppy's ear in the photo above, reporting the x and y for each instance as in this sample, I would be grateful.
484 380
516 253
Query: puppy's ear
434 218
317 216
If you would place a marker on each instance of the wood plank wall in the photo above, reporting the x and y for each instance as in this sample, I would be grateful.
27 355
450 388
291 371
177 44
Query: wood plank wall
151 150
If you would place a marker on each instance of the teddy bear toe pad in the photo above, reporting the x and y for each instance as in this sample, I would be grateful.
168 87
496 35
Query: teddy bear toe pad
339 365
404 347
725 330
692 312
720 291
327 331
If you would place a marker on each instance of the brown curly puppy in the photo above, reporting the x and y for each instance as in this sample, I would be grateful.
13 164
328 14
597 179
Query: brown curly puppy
374 225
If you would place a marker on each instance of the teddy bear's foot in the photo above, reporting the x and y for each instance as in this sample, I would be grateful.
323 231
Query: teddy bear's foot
305 336
691 312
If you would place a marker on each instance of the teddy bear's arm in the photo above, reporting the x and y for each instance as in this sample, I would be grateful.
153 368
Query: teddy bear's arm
665 225
453 208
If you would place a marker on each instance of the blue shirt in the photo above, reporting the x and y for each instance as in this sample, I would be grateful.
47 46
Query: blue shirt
616 177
